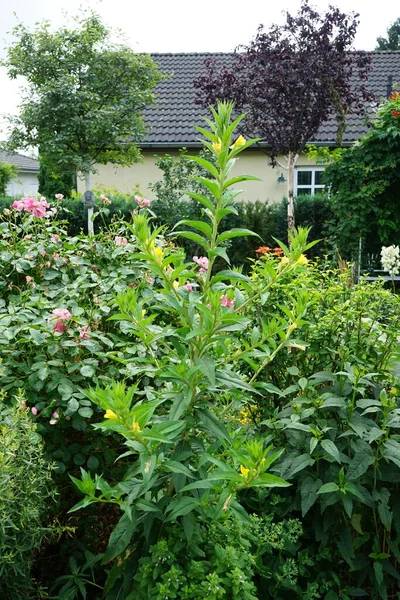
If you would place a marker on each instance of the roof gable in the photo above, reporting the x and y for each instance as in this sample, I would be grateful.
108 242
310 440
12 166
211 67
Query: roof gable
171 120
23 163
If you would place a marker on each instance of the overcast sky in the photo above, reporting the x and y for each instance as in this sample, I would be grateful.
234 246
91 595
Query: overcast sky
182 25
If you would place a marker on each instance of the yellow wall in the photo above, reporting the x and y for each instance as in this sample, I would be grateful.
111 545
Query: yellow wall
136 179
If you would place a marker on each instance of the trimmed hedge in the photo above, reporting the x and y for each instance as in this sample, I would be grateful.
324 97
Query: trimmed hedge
269 221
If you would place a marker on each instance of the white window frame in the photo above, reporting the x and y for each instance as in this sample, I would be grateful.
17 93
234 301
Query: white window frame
312 186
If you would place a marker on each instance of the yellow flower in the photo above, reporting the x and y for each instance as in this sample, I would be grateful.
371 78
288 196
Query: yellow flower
175 284
245 472
284 261
303 260
136 426
217 146
109 414
143 313
156 250
239 142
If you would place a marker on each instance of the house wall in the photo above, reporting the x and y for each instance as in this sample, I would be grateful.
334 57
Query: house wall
23 184
136 179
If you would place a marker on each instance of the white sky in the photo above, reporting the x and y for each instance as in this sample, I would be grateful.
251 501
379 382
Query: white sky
181 25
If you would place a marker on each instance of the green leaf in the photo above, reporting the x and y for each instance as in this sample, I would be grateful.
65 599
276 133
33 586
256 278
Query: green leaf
72 405
201 225
378 570
206 164
328 488
360 463
87 371
188 526
177 467
331 449
308 492
182 506
297 464
385 515
212 424
234 233
207 367
202 484
195 237
92 463
120 538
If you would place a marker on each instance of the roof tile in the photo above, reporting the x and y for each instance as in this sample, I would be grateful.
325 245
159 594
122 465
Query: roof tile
172 119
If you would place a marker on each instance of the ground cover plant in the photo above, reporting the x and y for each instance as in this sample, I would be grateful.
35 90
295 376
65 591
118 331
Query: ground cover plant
212 434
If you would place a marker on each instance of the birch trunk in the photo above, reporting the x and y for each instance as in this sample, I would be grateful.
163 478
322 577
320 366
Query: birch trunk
90 210
290 208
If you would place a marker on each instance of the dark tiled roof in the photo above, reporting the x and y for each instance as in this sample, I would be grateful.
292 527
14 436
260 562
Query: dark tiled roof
170 121
23 163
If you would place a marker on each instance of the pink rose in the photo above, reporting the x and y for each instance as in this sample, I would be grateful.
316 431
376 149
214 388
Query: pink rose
28 278
120 241
59 326
142 202
48 264
189 287
61 313
55 414
56 237
59 196
18 205
56 256
34 410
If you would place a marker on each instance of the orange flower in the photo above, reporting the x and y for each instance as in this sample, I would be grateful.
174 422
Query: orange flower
263 250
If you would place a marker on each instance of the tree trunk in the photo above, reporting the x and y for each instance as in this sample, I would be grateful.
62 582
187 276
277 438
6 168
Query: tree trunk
290 208
90 209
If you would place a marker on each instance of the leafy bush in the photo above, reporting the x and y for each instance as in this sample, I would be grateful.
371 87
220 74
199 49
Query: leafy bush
25 484
364 184
187 461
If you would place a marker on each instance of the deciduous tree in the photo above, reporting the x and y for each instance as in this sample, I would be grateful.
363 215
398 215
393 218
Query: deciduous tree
392 40
290 79
84 97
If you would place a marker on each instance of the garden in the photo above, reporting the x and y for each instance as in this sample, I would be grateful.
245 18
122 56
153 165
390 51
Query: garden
175 425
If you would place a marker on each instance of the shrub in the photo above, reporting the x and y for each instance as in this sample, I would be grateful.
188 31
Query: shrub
25 484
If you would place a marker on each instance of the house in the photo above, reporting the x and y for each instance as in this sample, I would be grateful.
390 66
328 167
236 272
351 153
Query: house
172 119
26 182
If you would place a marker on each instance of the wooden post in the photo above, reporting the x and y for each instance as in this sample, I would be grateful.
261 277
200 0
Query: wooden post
90 209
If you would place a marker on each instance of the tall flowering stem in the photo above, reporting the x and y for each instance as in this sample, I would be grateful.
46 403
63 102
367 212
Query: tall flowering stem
219 194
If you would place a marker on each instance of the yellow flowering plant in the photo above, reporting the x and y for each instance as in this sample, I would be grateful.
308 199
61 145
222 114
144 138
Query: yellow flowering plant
200 361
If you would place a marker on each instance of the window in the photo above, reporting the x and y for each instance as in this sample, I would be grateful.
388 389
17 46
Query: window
308 180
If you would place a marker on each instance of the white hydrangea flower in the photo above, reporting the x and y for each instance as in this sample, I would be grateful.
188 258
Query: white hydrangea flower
390 259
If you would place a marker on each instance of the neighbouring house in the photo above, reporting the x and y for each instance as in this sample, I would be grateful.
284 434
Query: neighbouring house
172 119
26 182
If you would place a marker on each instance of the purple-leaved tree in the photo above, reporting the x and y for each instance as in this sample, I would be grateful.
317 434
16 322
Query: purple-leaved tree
289 80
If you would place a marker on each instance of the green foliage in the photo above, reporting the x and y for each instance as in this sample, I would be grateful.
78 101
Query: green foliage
339 431
268 220
392 41
7 173
222 560
345 323
84 98
188 462
25 484
51 183
215 433
363 183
